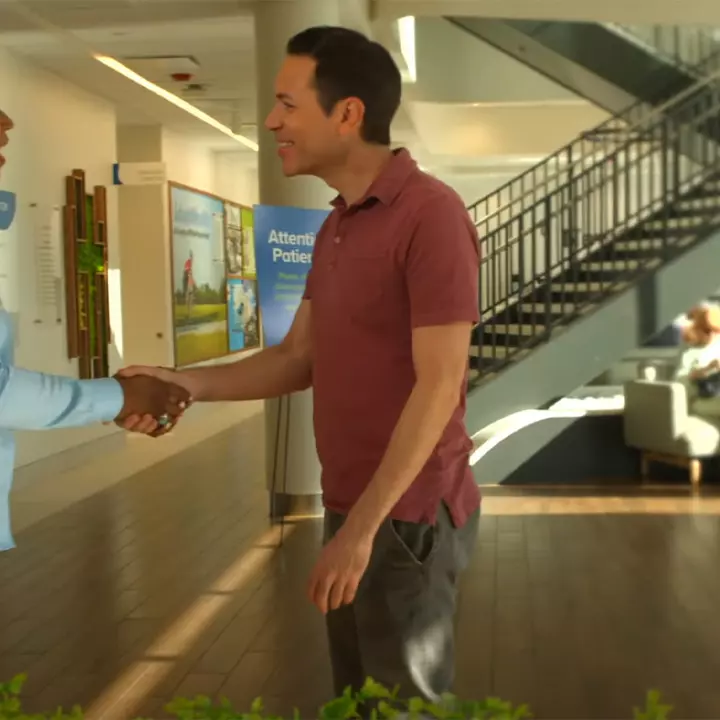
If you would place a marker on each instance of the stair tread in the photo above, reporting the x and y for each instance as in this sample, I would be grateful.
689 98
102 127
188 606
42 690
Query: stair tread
513 328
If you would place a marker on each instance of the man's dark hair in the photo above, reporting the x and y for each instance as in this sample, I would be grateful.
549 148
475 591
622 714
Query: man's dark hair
351 65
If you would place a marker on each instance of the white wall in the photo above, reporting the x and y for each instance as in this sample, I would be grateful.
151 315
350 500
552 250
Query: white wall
231 175
59 127
188 161
236 177
472 185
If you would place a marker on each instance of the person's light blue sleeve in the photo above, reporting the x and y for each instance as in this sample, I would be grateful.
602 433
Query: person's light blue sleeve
36 401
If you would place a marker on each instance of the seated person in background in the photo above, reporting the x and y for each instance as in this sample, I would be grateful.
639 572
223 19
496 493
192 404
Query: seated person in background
701 357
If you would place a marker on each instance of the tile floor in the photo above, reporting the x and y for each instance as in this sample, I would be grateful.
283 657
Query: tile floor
172 582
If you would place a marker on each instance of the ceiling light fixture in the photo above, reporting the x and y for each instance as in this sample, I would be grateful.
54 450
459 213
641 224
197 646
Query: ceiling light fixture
125 71
406 33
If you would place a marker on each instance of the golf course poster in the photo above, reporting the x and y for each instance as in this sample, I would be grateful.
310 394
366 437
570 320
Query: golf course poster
197 231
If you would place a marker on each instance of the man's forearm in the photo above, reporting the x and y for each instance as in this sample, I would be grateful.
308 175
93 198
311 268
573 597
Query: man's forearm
417 433
273 372
38 401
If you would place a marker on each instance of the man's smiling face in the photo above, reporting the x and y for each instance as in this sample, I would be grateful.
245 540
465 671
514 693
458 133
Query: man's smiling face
6 125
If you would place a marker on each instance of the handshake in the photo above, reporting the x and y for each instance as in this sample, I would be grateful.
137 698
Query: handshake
154 399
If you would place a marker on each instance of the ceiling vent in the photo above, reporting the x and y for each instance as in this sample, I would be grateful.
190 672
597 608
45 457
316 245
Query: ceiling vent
160 67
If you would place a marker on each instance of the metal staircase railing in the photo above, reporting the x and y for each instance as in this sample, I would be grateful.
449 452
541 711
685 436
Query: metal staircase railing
550 239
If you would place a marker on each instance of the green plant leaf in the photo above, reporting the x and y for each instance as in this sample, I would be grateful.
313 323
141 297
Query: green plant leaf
385 704
339 709
373 690
16 685
257 706
654 709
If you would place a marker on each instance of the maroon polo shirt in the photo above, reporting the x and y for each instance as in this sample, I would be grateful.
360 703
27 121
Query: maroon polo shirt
404 256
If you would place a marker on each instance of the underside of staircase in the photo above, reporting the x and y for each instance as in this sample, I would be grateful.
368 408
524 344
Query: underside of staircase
597 61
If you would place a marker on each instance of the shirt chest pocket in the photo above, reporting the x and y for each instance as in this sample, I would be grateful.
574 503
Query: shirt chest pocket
364 281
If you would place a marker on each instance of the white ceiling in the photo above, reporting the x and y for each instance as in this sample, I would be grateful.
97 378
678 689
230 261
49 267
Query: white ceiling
62 35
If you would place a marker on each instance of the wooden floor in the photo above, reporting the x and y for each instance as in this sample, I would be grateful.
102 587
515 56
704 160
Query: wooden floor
173 582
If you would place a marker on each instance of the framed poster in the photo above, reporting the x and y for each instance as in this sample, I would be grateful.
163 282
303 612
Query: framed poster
197 232
249 269
242 303
243 320
233 240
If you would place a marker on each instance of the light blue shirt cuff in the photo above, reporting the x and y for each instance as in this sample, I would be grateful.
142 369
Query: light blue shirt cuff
106 395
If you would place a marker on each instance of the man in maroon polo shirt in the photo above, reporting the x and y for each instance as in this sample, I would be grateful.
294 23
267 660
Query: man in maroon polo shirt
382 336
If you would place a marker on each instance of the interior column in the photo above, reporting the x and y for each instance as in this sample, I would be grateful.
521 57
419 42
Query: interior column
292 466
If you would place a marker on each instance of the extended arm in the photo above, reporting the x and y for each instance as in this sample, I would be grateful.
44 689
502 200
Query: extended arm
35 401
275 371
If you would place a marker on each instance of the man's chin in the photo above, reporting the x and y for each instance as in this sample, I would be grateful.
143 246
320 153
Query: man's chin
292 170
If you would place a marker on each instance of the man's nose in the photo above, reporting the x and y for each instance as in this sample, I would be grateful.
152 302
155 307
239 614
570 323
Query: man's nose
272 121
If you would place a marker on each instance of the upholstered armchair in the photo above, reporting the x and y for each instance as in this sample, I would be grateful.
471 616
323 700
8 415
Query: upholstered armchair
657 423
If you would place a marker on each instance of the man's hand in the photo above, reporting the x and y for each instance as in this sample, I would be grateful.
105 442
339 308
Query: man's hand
141 421
151 397
339 569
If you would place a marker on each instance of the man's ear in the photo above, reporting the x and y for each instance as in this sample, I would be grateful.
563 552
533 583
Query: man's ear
352 114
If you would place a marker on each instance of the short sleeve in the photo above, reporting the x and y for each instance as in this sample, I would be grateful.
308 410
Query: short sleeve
322 232
442 265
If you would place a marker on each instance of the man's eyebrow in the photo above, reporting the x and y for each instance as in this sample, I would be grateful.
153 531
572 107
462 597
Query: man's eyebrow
283 96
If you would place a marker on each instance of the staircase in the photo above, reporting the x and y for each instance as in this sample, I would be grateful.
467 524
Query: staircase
595 250
610 65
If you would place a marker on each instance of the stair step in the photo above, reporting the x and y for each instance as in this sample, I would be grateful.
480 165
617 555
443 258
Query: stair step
675 224
578 287
555 308
513 329
496 309
703 205
490 351
708 189
649 244
641 245
612 266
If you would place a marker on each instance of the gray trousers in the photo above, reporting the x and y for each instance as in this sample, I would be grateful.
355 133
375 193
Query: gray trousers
400 628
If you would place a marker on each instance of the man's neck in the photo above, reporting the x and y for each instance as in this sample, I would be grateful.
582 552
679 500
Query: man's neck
353 179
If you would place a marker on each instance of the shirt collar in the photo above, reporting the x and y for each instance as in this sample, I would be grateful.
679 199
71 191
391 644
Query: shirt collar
388 184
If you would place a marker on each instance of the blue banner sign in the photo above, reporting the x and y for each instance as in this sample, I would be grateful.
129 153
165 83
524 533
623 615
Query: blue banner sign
284 242
8 204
